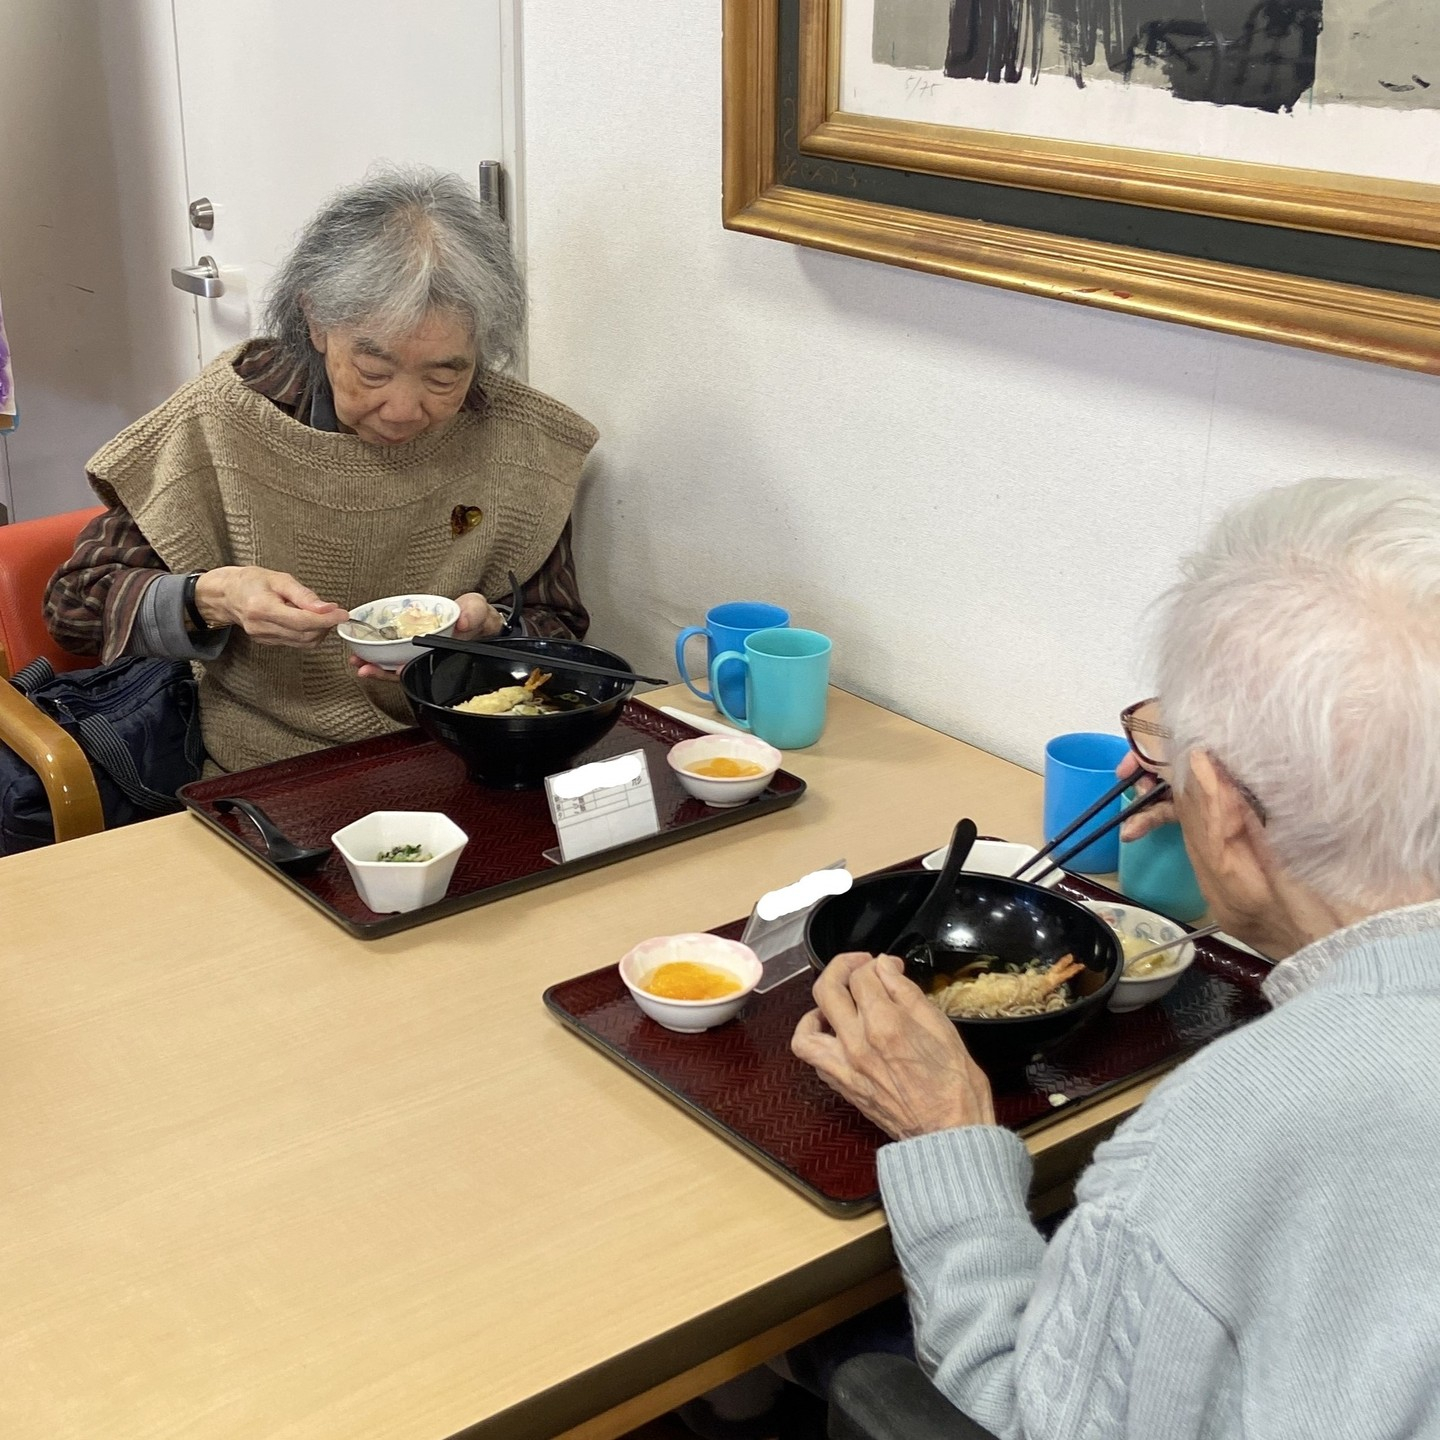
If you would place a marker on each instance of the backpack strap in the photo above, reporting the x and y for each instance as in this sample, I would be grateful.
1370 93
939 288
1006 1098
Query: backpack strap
32 676
105 749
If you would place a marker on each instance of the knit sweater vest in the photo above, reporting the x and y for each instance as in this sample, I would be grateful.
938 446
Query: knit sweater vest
219 475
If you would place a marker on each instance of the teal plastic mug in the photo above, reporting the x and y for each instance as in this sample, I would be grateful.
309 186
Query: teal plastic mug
1156 872
787 681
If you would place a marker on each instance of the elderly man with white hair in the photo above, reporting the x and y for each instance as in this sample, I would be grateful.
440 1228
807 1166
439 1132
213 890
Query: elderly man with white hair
1256 1251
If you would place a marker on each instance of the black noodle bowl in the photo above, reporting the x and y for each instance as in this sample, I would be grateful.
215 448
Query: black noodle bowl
986 915
514 752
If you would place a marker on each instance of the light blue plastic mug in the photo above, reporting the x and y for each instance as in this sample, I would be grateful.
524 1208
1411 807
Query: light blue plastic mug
1079 769
787 681
726 627
1155 871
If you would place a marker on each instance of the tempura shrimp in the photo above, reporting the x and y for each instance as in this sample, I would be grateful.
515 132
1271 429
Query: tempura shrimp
997 993
504 700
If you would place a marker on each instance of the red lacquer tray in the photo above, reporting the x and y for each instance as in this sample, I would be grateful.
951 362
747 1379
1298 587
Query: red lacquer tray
743 1082
313 796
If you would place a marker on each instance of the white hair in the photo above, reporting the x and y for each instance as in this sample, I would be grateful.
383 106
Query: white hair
1302 649
385 253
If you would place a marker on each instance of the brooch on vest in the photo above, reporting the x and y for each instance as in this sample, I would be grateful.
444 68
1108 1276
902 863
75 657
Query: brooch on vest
464 518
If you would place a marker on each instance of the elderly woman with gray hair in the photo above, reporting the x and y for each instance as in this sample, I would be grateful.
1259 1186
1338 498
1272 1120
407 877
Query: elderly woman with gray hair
368 446
1256 1251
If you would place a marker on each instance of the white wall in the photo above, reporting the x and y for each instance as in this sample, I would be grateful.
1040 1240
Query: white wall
92 217
974 492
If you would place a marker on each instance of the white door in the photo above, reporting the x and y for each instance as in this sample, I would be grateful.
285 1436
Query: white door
92 212
284 101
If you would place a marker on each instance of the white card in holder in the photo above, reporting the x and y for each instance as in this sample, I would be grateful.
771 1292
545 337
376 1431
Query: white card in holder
775 930
602 804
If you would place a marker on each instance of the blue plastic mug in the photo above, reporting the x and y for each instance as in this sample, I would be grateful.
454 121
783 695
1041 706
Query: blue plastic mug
786 675
727 627
1155 871
1079 769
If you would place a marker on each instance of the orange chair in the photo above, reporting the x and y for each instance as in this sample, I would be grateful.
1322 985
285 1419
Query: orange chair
30 553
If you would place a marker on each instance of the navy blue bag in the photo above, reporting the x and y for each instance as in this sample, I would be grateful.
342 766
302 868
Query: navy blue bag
138 722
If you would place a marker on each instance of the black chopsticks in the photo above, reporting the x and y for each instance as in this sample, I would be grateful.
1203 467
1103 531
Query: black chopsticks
1151 797
1113 793
539 657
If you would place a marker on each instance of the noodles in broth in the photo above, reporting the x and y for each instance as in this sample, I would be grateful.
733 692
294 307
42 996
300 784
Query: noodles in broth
1031 989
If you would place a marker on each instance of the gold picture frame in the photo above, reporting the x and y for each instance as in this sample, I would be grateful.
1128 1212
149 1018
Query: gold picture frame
1169 237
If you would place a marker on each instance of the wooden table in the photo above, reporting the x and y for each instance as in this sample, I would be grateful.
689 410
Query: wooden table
260 1179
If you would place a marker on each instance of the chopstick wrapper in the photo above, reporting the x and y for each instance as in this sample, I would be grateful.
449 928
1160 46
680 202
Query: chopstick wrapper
775 930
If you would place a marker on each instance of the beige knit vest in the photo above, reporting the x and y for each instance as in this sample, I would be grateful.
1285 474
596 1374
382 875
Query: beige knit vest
219 475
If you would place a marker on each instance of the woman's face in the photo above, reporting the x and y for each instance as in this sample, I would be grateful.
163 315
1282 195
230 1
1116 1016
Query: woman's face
393 391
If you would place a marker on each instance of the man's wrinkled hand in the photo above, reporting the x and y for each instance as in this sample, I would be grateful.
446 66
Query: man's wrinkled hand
875 1039
1162 813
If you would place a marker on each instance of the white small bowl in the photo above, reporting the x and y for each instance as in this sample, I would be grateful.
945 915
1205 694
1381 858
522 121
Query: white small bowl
722 794
690 1017
390 885
993 857
395 654
1129 920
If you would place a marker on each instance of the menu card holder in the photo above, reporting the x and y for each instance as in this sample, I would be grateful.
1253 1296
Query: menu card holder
779 941
601 805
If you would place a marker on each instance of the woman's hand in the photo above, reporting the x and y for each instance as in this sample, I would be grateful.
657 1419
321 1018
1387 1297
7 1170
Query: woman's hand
881 1044
479 619
272 608
1161 813
365 670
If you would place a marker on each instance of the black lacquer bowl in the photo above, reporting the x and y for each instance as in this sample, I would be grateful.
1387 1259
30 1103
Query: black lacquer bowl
514 752
990 915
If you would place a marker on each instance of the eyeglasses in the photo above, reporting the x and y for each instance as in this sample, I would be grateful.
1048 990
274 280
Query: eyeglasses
1148 737
1152 743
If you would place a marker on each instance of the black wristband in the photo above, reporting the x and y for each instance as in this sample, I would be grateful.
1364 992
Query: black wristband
191 608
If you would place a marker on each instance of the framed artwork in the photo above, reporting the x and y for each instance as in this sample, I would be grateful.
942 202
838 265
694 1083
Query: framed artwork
1266 167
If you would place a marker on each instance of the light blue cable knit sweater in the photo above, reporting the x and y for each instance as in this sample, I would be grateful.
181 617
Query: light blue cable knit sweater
1256 1252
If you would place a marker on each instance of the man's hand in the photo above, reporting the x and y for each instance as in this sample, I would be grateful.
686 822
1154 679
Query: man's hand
881 1044
272 608
1161 813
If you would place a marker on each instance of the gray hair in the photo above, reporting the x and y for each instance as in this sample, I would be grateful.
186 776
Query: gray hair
1302 648
384 254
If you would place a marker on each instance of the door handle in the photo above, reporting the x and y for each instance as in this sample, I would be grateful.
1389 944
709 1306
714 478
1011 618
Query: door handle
201 279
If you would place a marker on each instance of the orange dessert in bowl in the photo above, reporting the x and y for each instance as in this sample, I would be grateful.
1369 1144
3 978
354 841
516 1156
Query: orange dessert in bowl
690 980
725 767
724 770
690 983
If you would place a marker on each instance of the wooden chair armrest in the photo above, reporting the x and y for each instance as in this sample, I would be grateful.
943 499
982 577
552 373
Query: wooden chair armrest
60 763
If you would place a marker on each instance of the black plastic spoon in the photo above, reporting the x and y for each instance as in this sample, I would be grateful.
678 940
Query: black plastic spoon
516 623
915 933
280 849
